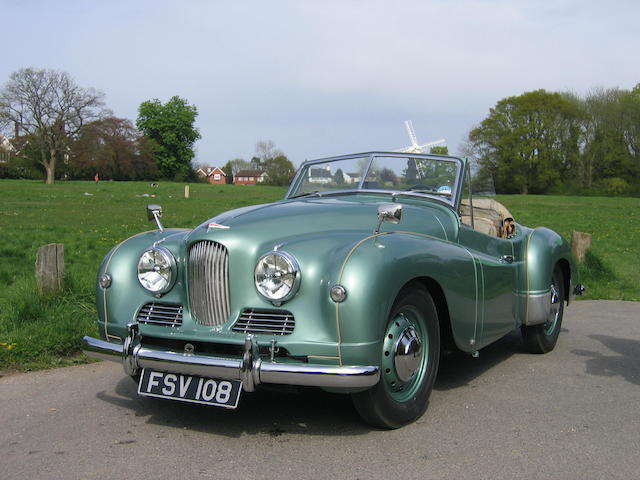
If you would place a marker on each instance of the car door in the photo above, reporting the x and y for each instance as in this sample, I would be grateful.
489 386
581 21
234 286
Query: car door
495 259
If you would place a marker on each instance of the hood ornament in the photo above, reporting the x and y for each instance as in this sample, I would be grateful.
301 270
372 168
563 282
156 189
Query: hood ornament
214 225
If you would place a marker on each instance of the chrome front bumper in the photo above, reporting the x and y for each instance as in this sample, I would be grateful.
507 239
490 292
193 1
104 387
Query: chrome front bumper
251 370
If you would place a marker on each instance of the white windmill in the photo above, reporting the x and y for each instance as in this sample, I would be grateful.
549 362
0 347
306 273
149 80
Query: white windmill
415 147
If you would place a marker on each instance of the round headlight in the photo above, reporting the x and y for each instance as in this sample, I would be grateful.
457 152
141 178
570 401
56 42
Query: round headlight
156 270
277 276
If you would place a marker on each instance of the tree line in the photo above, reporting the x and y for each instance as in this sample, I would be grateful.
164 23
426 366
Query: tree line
555 142
537 142
60 130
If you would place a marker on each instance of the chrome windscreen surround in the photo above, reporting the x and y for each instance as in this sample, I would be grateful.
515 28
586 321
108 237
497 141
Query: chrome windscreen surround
163 314
209 282
267 322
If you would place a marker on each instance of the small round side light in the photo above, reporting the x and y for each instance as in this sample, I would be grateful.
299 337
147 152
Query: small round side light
105 280
338 293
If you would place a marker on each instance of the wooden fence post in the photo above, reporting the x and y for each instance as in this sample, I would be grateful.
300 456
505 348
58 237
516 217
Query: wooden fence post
50 268
580 243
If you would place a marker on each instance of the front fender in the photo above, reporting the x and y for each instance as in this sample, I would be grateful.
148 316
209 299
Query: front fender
376 270
117 304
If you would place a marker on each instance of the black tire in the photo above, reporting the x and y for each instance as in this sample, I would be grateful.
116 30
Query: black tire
542 338
406 379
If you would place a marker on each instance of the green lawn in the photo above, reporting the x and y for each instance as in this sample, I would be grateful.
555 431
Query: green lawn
612 267
38 332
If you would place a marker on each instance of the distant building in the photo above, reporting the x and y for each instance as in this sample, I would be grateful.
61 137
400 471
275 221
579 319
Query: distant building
320 175
352 177
6 149
249 177
214 175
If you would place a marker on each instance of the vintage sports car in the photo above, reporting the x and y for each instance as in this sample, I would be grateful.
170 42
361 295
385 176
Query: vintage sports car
371 266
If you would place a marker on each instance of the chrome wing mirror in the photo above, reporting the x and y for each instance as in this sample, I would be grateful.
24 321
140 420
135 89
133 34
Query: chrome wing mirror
154 212
389 213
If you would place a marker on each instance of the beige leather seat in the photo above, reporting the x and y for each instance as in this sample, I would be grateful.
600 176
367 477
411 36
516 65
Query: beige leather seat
488 215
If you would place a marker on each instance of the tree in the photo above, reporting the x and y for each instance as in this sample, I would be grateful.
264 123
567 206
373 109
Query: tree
526 141
171 127
411 172
338 177
113 148
266 150
279 170
51 109
610 138
270 159
439 150
388 176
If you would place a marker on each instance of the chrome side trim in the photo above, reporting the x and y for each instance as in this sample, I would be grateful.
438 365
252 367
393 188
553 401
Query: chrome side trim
251 369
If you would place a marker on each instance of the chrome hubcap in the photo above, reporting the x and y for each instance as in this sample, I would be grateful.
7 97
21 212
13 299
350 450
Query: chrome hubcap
408 351
550 324
405 351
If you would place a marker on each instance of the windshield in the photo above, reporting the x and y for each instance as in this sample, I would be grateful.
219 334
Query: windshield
432 175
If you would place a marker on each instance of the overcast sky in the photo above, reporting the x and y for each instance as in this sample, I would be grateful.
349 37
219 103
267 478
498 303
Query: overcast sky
324 78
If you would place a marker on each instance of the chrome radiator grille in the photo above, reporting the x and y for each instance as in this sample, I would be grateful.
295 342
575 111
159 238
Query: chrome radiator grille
165 314
209 282
273 322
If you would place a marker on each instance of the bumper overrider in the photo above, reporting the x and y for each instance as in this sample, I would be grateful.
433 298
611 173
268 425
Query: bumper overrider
251 370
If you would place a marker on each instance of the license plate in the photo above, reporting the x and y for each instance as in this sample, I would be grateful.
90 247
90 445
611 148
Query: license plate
190 388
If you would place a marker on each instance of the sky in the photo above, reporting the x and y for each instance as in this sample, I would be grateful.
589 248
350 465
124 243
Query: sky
323 78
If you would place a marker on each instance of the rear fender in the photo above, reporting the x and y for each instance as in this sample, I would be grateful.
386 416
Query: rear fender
544 250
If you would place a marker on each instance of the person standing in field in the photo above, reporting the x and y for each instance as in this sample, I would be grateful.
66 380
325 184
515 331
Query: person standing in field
96 178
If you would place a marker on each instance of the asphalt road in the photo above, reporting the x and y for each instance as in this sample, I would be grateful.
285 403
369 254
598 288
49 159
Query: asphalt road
573 413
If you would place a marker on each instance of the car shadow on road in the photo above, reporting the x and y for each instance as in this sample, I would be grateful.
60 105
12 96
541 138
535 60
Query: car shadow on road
625 363
307 411
459 369
304 411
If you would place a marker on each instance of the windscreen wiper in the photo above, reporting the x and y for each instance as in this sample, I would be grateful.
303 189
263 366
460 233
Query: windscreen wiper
307 194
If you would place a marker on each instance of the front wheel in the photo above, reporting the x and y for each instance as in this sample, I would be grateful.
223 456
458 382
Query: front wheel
542 338
408 363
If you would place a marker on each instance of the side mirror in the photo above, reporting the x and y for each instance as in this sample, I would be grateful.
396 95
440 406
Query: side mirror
154 212
389 213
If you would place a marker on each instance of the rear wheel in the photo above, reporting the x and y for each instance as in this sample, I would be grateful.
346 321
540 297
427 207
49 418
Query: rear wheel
408 363
542 338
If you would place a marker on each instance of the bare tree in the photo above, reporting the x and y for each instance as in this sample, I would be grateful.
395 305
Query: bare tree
50 108
266 150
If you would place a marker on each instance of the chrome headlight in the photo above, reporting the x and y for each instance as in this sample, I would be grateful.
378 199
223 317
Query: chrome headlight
277 276
157 270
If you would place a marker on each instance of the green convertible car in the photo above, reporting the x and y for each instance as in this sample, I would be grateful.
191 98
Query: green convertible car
371 266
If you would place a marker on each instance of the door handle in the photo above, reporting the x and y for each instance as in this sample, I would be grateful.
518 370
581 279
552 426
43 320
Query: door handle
506 259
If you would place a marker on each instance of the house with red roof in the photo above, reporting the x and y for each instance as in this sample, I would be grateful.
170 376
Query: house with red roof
214 175
249 177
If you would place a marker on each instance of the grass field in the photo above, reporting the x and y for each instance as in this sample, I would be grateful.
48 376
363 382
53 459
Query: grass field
38 332
612 267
